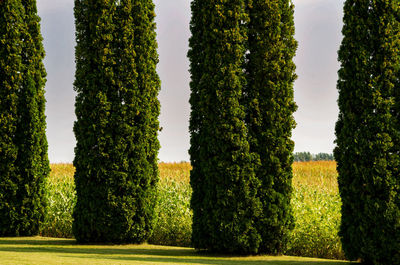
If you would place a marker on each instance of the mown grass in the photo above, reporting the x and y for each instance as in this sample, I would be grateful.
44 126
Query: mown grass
37 250
316 204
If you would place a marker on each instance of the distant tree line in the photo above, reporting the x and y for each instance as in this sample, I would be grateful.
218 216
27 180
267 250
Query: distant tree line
307 156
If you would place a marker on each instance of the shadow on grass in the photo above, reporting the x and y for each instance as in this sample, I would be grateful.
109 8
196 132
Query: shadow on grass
37 242
138 254
214 261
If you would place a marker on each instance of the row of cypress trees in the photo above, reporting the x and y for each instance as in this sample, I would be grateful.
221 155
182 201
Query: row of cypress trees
242 70
242 104
117 120
242 73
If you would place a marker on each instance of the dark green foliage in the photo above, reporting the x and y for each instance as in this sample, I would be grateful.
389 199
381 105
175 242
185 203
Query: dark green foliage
224 186
241 122
24 165
368 131
117 120
270 105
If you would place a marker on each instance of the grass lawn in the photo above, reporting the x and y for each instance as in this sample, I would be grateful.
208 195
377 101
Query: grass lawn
40 250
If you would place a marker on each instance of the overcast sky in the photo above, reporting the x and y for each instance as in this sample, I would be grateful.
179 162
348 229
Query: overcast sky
318 31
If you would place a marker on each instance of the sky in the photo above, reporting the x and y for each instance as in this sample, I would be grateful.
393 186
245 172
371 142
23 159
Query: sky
318 31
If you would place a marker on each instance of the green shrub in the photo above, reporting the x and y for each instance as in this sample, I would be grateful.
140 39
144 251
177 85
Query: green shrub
367 130
270 106
24 165
117 121
224 185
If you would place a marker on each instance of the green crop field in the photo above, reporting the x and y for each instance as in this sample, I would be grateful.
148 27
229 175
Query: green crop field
39 250
315 200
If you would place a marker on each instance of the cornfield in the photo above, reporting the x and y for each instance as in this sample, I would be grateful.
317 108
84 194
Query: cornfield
316 203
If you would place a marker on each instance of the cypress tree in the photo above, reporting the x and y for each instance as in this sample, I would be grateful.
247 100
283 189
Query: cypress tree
24 165
117 120
224 186
270 105
368 131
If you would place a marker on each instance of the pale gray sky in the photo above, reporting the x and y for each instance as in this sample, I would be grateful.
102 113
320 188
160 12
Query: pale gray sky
318 27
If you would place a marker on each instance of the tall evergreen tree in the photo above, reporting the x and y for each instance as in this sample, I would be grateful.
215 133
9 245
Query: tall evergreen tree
368 131
269 102
24 165
117 120
224 186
